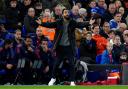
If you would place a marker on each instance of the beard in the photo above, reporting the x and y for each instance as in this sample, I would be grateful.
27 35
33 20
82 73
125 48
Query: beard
67 17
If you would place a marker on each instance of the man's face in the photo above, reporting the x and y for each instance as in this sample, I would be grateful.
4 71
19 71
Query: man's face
44 43
58 10
106 27
75 10
39 32
13 4
18 35
96 30
118 17
66 14
112 8
101 3
28 41
27 2
31 12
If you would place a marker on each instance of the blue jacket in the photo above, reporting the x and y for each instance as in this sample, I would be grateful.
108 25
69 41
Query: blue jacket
105 58
98 10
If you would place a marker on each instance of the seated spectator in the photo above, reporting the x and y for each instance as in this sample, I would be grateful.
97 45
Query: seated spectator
125 35
45 55
118 47
88 48
57 12
75 12
28 54
4 34
29 21
83 14
124 14
105 30
7 61
109 14
18 41
123 57
111 35
114 23
101 42
100 9
107 56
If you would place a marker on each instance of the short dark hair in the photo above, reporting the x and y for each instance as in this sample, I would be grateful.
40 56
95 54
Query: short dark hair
64 10
18 30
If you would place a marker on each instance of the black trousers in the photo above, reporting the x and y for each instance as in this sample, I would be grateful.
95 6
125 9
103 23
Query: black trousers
64 52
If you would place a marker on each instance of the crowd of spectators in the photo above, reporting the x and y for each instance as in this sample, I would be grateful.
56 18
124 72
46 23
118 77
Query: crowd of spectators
26 48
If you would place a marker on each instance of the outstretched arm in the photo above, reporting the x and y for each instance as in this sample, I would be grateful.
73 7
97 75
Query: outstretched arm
85 24
47 24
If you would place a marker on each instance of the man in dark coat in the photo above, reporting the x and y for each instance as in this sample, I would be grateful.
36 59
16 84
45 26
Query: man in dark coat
64 43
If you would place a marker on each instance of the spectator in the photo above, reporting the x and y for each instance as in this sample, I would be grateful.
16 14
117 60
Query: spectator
118 4
101 42
75 12
12 17
109 14
105 30
111 35
83 14
114 23
45 55
29 21
88 48
123 13
7 61
23 8
117 49
58 12
107 56
99 9
27 52
38 8
125 35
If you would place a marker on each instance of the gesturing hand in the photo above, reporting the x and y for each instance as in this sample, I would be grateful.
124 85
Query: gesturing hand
91 21
38 21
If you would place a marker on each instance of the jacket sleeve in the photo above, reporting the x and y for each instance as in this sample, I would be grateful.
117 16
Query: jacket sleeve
82 24
49 24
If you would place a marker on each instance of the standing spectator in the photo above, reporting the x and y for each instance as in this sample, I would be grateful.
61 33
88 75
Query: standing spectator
88 48
29 21
12 17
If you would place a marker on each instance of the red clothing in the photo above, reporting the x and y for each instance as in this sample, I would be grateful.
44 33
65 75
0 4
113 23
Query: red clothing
101 43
